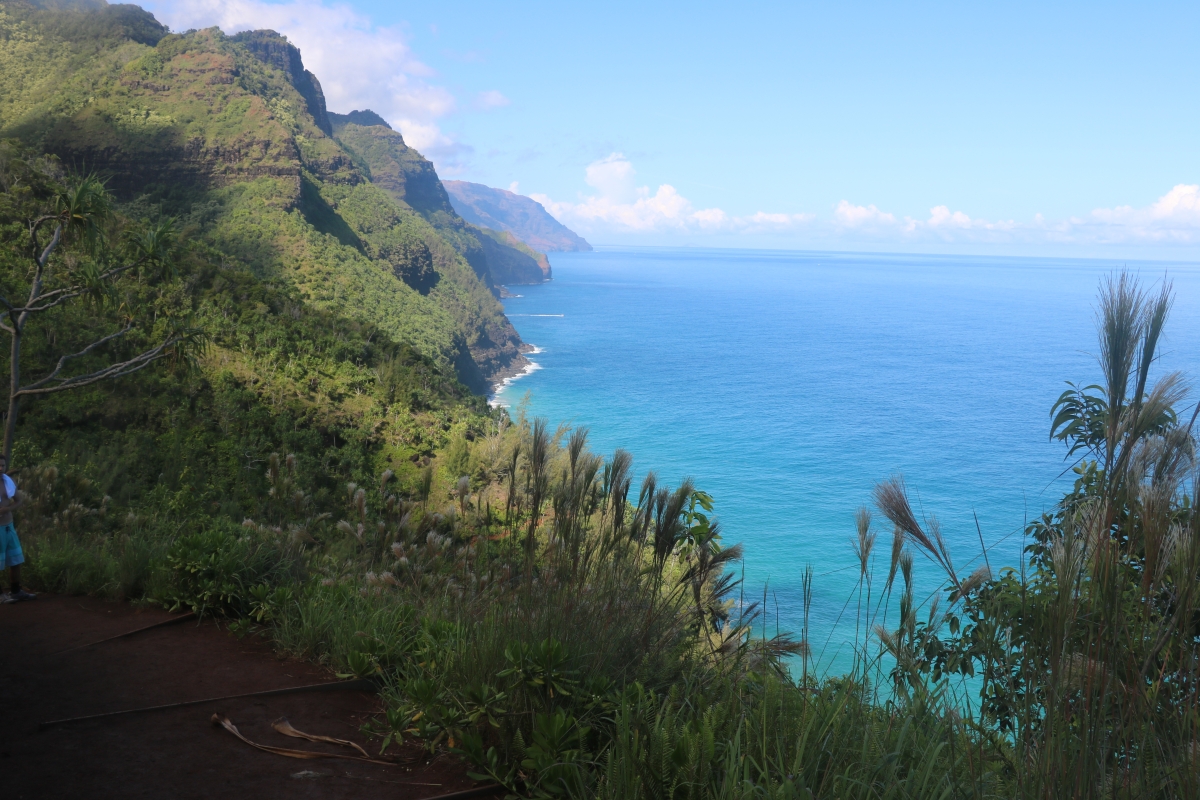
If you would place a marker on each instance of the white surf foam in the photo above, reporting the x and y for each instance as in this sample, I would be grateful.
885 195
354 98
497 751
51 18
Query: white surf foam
494 399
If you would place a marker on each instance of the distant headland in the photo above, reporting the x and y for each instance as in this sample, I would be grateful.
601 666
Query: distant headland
521 216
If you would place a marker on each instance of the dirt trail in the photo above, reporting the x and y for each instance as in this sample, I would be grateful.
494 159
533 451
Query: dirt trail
176 753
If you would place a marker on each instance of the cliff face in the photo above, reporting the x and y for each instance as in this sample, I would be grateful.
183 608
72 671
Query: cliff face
231 136
275 50
511 258
521 216
401 171
412 181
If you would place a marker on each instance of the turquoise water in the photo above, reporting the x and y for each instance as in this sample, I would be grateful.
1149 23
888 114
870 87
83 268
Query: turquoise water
787 384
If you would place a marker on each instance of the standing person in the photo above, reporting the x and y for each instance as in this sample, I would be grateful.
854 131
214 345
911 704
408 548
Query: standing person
10 546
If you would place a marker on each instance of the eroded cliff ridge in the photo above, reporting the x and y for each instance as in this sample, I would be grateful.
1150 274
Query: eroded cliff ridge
231 136
413 182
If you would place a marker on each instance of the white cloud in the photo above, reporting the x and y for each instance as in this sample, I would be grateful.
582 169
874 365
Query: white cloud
763 222
1173 218
617 205
848 215
491 99
613 178
620 205
360 64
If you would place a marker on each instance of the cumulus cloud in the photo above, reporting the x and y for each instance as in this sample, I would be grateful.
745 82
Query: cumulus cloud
942 221
763 222
848 215
620 205
1172 219
617 205
360 64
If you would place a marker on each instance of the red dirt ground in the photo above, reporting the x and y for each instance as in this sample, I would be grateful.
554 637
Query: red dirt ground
176 753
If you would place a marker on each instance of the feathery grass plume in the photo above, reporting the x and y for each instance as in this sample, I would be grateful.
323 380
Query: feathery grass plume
1121 325
1154 318
462 490
891 497
575 446
897 549
617 482
906 569
1067 557
865 542
538 482
980 576
645 507
360 504
668 523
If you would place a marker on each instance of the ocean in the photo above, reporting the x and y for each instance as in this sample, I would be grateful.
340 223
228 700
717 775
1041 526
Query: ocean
788 384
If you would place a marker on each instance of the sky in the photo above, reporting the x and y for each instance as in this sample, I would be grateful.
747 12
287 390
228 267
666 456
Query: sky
985 127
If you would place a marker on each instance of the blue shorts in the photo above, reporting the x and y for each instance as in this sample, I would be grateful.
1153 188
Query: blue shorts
10 547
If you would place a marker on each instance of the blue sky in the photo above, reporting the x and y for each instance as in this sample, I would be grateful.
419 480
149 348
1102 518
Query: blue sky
971 127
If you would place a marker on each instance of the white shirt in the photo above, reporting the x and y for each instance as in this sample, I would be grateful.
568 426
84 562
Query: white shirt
10 487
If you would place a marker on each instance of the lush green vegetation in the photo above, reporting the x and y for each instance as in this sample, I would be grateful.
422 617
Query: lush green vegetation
573 640
312 469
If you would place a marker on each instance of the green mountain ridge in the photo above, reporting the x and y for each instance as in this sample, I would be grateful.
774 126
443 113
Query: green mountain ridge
412 182
230 135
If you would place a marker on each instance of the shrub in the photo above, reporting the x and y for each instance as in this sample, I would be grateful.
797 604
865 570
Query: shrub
213 571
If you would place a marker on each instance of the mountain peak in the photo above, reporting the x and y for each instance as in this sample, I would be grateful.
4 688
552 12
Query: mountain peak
366 118
275 49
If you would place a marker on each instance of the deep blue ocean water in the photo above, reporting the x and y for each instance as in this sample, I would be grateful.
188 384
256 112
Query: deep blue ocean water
787 384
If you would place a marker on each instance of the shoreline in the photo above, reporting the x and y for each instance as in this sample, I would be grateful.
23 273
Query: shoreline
528 368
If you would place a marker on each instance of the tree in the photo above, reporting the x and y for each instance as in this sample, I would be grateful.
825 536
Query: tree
72 248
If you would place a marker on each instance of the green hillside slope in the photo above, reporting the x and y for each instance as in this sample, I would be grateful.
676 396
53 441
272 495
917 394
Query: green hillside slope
341 326
229 135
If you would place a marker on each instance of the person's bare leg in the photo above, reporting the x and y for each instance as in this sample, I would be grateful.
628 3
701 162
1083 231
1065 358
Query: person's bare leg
14 579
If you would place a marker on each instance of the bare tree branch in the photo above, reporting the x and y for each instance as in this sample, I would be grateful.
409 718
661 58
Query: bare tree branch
112 371
35 226
50 247
82 205
77 291
62 362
